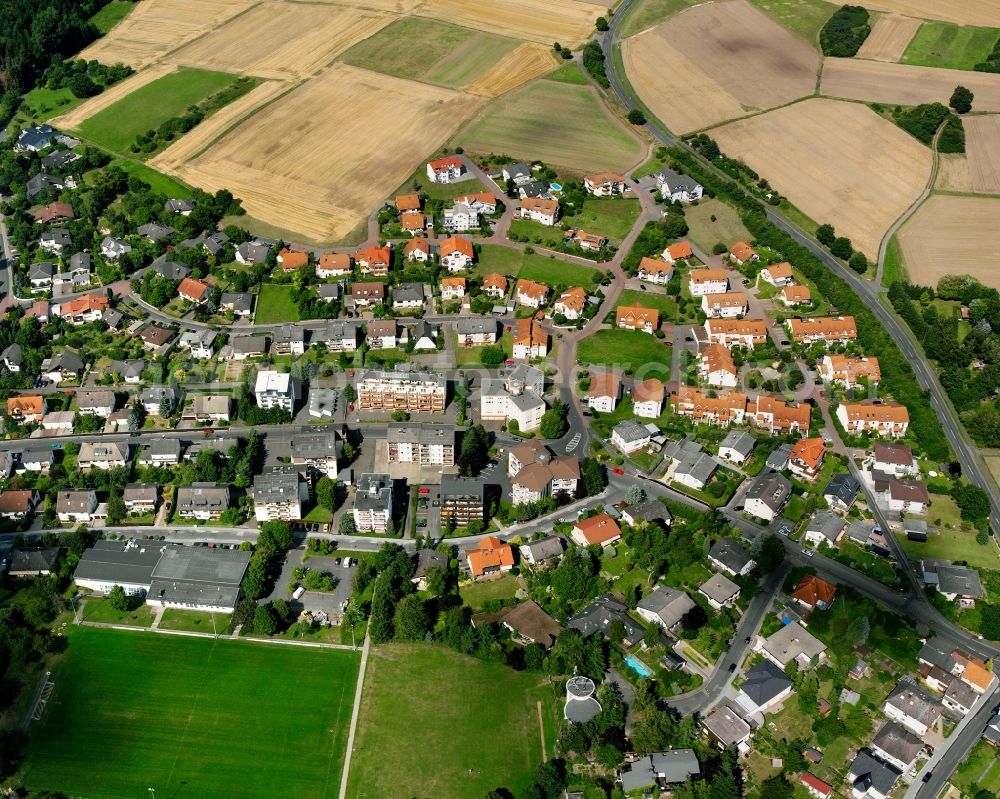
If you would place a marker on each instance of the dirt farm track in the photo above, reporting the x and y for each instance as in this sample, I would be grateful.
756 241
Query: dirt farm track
809 152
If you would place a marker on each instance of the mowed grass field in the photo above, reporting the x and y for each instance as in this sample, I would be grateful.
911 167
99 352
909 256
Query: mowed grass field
938 44
192 717
116 126
275 305
113 13
711 222
435 723
563 125
664 303
624 348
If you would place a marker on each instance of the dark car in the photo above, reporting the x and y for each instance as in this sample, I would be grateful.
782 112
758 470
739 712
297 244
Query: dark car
732 667
927 777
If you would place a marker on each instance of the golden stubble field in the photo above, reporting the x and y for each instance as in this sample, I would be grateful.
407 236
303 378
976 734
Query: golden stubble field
960 12
982 147
903 84
155 27
951 235
281 40
889 37
718 61
565 21
838 162
524 62
320 158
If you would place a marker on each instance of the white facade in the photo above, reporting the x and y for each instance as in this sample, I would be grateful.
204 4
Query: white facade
275 390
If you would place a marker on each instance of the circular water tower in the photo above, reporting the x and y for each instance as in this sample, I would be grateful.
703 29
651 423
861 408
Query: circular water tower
580 703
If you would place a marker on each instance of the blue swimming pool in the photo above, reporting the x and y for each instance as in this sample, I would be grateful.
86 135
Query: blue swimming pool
638 666
555 187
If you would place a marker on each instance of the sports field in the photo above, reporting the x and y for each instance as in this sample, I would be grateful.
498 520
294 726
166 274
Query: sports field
810 152
890 35
940 44
435 723
563 125
718 61
281 40
192 717
117 125
902 84
948 235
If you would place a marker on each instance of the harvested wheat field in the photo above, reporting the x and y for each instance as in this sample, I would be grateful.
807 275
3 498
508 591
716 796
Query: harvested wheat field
903 84
156 27
199 138
838 162
950 235
520 65
961 12
953 173
982 146
73 118
285 41
566 21
392 6
718 61
323 173
889 37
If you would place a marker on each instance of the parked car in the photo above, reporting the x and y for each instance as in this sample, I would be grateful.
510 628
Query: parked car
808 552
616 470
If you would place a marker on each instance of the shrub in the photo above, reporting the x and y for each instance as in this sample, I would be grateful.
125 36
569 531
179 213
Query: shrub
636 117
952 138
593 62
921 121
842 247
961 100
601 24
858 262
845 32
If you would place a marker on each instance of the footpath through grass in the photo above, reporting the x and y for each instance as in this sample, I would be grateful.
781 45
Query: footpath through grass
439 724
117 126
192 717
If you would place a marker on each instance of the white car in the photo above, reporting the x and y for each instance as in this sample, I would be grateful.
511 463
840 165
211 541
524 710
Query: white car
808 552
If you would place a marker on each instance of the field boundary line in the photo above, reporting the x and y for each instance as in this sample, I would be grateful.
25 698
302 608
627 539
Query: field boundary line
193 634
352 732
541 730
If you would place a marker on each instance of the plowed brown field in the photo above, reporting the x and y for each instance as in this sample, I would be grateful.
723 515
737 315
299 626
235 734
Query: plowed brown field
982 145
903 84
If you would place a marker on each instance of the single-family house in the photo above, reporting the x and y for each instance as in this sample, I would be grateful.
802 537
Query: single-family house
655 271
665 606
806 458
675 187
767 495
600 529
708 281
605 184
604 392
636 317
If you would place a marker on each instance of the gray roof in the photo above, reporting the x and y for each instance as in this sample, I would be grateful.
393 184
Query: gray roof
414 433
279 485
141 492
159 393
739 440
992 732
860 531
792 641
328 291
202 565
100 451
203 496
726 724
915 702
58 159
254 251
764 682
32 561
525 376
12 354
700 466
314 445
730 553
41 270
536 188
154 231
248 344
289 334
650 511
542 549
120 562
719 587
960 580
215 242
428 559
171 270
336 331
408 292
843 487
241 301
771 488
472 325
162 447
870 772
898 742
630 431
598 615
80 260
37 184
57 235
826 524
676 181
65 361
668 604
961 693
936 656
672 767
682 449
453 486
778 458
374 492
37 137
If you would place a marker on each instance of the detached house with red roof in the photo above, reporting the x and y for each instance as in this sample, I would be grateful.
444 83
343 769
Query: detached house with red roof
635 317
813 592
530 340
193 290
653 271
717 367
374 260
291 260
742 253
585 240
708 281
452 288
678 251
792 296
601 530
647 398
730 305
412 222
445 170
483 202
539 209
571 303
334 264
806 458
605 184
456 253
407 202
490 558
777 274
531 294
731 333
80 311
417 249
495 286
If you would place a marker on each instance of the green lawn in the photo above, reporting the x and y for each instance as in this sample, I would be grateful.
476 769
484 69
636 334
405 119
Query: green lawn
983 756
496 258
612 217
953 545
41 104
940 44
113 13
477 594
275 305
470 356
804 18
438 191
435 723
706 232
569 72
664 303
192 717
100 610
625 347
552 271
144 109
193 621
536 233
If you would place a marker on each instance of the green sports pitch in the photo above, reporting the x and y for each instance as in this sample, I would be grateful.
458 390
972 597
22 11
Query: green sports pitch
193 718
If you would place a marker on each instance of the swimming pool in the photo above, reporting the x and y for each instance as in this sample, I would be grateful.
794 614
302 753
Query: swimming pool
638 666
555 187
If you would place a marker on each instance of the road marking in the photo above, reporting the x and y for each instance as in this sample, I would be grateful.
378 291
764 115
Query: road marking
573 442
